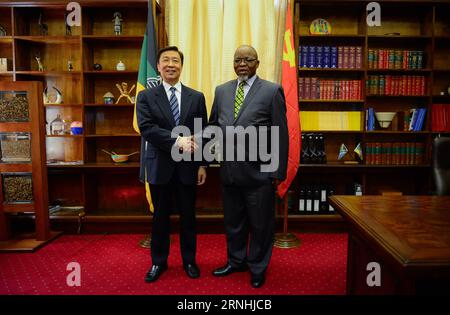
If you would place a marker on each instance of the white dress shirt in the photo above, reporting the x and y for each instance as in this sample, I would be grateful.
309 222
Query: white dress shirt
177 87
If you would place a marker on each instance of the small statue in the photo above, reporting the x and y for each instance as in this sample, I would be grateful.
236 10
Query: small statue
43 28
40 66
108 98
69 65
68 28
2 31
117 23
124 92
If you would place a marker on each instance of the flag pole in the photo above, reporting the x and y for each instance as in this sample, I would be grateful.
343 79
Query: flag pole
289 83
286 239
147 77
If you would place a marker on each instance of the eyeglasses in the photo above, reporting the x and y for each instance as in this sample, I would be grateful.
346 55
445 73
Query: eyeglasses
245 60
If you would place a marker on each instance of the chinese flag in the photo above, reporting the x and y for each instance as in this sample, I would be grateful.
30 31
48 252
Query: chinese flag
290 87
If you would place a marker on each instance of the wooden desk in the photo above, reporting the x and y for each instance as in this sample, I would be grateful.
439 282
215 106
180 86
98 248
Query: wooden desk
409 236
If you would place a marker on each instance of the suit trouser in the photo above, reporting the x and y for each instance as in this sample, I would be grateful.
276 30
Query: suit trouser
162 198
249 212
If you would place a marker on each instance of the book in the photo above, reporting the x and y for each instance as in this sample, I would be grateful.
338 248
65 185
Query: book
304 56
318 56
326 57
312 57
340 57
358 57
334 57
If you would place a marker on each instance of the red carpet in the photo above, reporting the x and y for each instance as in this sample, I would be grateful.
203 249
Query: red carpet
115 264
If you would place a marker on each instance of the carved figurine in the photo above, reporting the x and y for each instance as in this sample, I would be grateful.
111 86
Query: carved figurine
117 23
40 66
2 31
68 28
124 92
43 28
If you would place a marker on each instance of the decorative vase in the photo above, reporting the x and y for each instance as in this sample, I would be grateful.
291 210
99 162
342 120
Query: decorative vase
120 66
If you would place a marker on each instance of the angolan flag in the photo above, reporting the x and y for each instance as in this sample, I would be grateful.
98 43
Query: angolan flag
290 87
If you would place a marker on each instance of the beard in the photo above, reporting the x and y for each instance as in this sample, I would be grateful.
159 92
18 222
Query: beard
243 77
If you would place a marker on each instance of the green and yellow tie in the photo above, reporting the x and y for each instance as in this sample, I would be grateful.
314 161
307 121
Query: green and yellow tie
239 100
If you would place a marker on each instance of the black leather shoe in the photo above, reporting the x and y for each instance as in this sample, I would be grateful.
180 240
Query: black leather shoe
155 272
192 271
228 269
258 280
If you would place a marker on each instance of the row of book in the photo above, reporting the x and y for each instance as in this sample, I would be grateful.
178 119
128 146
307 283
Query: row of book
395 59
332 57
330 120
413 119
314 200
395 153
317 88
440 117
313 149
411 85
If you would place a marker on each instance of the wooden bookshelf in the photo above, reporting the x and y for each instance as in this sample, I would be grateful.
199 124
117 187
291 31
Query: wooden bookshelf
78 171
406 25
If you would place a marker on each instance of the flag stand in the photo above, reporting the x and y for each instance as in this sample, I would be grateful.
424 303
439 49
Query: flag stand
285 239
145 242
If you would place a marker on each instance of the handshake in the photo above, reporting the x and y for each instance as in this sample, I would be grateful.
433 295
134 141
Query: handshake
186 144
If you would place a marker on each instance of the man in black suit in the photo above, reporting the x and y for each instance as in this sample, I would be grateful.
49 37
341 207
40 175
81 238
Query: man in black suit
248 190
159 111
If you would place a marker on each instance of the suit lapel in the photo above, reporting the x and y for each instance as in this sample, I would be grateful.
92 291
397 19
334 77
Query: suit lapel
163 103
186 102
248 98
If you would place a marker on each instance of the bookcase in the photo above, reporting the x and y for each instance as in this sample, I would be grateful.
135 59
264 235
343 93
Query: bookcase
83 182
400 66
23 172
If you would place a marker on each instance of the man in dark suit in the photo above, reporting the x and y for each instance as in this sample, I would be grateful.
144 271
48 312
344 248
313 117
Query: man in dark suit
248 191
159 111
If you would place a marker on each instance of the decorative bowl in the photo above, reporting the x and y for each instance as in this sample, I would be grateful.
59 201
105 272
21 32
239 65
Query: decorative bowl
385 118
76 128
119 158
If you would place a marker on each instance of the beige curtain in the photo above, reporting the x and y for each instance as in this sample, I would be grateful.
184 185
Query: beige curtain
209 31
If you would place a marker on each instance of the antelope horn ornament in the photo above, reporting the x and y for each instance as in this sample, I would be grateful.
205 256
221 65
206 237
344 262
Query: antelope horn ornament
59 97
44 94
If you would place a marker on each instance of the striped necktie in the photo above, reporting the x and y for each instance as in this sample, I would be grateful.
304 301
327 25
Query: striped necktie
239 99
174 106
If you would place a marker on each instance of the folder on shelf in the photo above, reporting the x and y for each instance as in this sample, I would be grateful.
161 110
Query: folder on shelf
331 121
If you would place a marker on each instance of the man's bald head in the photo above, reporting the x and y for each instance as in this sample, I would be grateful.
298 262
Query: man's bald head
247 48
245 62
